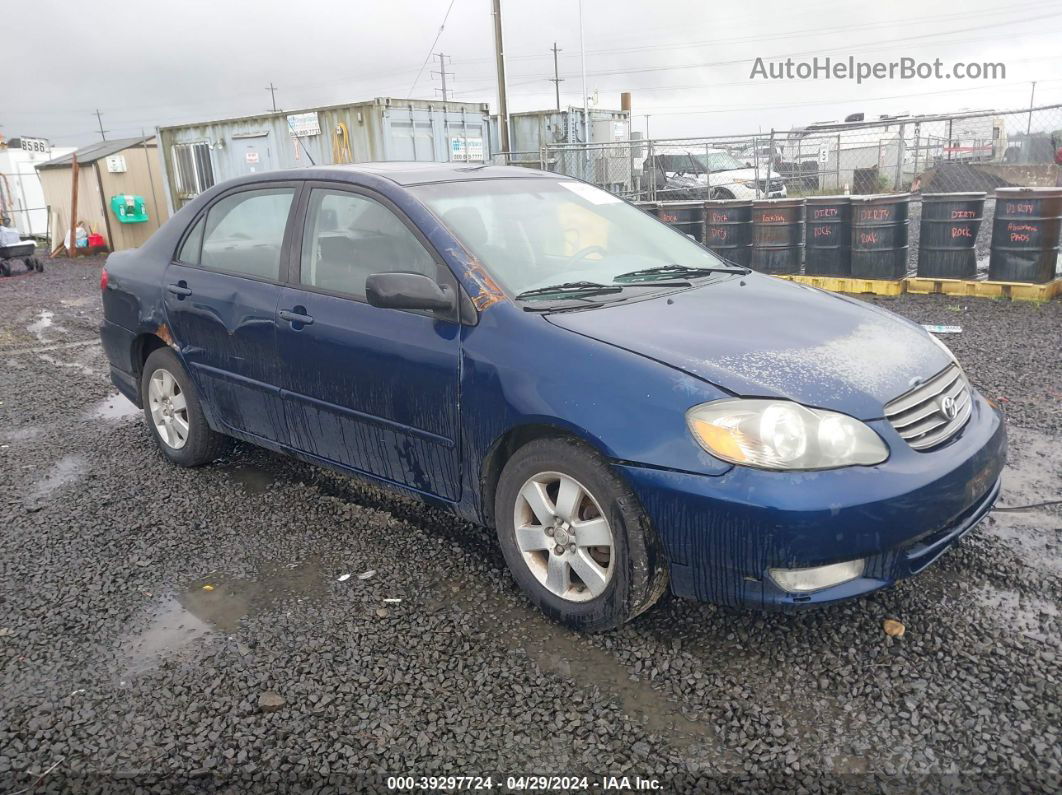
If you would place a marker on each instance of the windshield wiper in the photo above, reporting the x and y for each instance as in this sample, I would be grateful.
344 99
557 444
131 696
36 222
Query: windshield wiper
667 271
568 288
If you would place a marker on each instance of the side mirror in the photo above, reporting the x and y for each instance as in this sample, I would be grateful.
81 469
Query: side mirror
408 291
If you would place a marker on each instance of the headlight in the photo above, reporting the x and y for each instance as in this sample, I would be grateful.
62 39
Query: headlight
743 181
780 434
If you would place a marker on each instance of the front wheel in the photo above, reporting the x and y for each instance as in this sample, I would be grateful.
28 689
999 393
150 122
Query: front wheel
174 414
575 538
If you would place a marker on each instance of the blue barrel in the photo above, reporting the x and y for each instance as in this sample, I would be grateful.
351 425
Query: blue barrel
728 229
828 236
947 234
1025 235
880 236
687 217
777 235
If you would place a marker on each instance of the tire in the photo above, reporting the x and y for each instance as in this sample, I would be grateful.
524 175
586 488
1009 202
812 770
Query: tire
635 575
200 444
38 265
720 193
5 269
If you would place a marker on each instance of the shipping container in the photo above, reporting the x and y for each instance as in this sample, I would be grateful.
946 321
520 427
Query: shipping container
197 156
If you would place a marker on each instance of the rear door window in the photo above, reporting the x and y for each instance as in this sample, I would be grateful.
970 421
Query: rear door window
244 233
189 252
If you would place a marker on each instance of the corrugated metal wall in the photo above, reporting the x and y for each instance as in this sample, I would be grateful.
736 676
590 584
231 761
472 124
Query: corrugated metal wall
383 129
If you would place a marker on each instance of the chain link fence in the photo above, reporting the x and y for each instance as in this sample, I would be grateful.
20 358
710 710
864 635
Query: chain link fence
977 151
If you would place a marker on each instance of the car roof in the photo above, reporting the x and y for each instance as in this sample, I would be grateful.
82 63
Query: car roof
420 173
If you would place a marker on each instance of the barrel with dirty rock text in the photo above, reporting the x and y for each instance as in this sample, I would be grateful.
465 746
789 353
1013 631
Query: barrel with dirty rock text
947 234
880 236
728 229
828 236
1025 235
687 217
777 235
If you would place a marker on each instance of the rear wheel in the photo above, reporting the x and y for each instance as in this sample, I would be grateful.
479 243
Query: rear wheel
575 537
174 414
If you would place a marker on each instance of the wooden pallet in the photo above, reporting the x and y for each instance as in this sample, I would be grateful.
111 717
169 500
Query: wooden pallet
1017 291
847 284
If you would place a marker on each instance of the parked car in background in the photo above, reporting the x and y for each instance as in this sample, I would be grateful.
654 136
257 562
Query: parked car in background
715 174
630 412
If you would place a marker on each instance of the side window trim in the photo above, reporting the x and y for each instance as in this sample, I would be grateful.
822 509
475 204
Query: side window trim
293 221
295 254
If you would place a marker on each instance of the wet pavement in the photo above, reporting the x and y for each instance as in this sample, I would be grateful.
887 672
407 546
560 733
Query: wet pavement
149 615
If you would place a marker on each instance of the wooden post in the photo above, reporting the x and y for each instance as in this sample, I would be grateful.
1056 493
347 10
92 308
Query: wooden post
72 247
103 199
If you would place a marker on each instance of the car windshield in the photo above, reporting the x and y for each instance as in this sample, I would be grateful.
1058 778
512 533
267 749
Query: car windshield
537 233
718 161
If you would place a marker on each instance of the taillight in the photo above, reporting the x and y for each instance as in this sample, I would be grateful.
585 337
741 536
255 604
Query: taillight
103 279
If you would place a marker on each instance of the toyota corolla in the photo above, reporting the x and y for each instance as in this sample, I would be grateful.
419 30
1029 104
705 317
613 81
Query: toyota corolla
629 411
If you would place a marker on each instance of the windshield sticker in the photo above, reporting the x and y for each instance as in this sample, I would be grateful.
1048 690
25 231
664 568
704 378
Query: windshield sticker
590 193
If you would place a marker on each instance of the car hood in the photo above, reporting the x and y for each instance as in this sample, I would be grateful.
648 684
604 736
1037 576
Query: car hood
758 336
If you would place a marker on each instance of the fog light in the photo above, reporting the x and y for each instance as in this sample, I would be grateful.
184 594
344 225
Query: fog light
817 577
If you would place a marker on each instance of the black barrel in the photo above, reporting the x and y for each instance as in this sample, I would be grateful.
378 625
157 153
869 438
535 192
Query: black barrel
879 236
1025 234
947 234
728 229
687 217
828 236
777 235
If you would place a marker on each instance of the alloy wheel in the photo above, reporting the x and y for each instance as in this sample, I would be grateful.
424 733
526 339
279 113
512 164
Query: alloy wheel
169 409
563 536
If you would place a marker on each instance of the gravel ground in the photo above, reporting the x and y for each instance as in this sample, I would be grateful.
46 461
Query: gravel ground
122 669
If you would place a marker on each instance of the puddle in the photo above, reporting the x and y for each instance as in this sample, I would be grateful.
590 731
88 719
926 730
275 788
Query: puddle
1034 536
172 629
567 654
39 326
197 612
253 479
115 407
84 368
1034 468
23 434
63 472
1021 614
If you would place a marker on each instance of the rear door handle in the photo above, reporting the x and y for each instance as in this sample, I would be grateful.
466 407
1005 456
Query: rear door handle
179 290
296 317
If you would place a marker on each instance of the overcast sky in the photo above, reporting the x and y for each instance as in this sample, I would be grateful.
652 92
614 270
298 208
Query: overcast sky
687 62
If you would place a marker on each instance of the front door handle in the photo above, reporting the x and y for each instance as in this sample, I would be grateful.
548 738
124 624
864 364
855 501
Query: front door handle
180 289
295 316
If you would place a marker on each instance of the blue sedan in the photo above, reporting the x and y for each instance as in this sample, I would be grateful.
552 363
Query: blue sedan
629 411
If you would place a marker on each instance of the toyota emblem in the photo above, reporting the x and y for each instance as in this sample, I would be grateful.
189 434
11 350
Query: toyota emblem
947 407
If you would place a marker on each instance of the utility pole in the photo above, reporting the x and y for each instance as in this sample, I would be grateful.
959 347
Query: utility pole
103 132
1032 100
272 89
442 74
557 79
586 99
503 100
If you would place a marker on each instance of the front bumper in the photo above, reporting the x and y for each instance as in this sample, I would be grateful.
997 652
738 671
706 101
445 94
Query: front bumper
722 533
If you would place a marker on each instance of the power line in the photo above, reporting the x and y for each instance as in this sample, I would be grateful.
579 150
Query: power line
420 71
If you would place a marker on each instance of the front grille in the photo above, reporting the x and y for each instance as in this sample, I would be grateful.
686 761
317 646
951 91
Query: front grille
771 185
920 416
